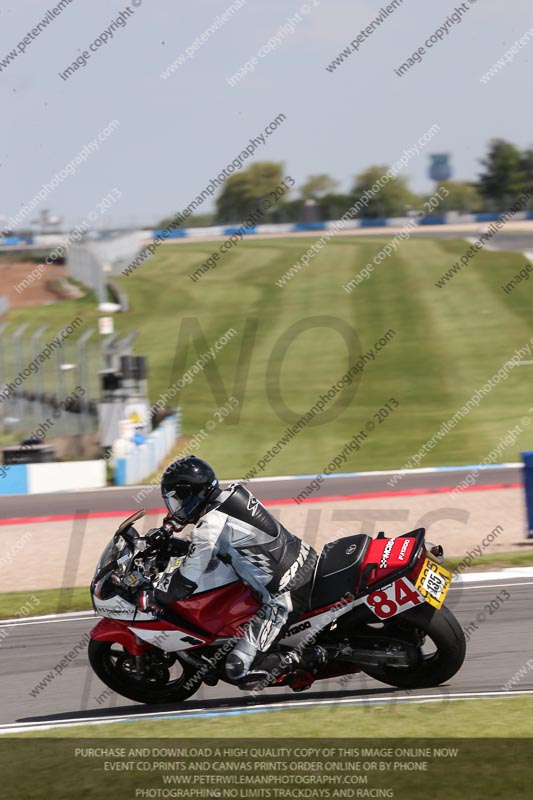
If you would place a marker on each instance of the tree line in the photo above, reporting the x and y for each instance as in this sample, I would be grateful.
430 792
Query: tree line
506 172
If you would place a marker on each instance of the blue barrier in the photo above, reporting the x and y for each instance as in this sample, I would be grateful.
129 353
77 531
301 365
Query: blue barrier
246 231
378 222
298 227
309 226
11 240
488 217
15 479
432 221
56 476
176 234
144 459
528 487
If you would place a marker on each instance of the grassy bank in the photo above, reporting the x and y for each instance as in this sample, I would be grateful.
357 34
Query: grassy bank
290 347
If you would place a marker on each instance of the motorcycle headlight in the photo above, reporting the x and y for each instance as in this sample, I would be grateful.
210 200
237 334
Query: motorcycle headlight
104 588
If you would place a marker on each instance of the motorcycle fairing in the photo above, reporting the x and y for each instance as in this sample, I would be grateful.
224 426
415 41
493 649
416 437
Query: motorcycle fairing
117 607
390 555
221 611
169 637
114 630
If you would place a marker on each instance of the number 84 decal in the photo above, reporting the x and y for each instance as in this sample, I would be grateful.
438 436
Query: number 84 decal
391 600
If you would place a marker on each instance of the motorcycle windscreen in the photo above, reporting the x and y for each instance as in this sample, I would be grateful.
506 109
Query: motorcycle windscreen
117 554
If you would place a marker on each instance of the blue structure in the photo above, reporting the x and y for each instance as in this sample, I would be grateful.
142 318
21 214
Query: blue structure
528 487
440 168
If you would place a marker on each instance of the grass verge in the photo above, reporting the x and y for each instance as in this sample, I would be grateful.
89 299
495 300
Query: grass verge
483 718
43 601
492 561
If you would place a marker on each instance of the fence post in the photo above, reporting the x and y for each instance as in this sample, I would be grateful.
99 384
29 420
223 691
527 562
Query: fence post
19 358
38 402
83 378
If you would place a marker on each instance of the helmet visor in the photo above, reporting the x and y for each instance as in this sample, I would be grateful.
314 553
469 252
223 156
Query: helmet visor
173 503
183 501
179 506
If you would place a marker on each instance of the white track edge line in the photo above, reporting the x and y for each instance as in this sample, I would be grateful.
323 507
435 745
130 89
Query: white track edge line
158 715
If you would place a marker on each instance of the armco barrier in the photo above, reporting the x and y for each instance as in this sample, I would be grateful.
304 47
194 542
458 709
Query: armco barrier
452 218
58 476
280 228
145 459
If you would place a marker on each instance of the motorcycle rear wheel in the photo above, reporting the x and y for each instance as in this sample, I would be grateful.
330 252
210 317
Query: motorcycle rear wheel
114 667
449 643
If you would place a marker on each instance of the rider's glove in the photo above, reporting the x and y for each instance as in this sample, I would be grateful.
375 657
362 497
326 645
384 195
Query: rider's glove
178 588
156 538
183 588
170 526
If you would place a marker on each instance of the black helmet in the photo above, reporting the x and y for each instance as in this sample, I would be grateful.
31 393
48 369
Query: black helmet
186 486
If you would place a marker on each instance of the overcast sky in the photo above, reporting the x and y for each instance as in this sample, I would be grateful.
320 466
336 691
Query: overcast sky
176 134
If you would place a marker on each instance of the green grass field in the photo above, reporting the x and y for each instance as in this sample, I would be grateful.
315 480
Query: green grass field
447 344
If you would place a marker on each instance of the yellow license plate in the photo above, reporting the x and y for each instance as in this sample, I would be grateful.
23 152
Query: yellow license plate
433 582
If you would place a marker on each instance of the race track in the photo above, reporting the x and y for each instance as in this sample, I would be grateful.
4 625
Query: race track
120 499
497 649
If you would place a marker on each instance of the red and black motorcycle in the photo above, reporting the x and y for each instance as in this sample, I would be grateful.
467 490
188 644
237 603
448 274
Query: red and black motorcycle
375 606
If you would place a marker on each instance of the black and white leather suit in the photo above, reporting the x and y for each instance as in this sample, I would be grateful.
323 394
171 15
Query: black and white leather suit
239 531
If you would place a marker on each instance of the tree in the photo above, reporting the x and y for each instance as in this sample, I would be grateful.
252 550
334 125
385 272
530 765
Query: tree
333 206
195 221
243 191
504 177
317 186
391 198
463 196
527 165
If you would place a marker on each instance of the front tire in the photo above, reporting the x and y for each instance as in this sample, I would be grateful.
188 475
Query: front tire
449 643
116 668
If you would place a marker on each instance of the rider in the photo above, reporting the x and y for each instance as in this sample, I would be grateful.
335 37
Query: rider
233 526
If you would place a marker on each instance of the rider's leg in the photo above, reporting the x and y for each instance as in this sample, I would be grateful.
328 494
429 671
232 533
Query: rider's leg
250 657
259 635
306 656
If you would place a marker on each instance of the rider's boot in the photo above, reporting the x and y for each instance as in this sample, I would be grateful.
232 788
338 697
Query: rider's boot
299 668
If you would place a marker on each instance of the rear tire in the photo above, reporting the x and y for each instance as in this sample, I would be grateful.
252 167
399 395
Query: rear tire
449 640
114 669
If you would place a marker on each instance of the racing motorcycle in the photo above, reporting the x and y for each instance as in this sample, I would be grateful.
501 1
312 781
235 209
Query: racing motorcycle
375 606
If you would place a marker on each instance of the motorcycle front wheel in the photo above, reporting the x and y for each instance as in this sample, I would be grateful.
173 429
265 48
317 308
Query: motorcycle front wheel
164 679
441 648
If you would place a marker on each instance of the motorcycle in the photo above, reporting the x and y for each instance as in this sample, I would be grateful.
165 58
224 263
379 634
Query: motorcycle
375 606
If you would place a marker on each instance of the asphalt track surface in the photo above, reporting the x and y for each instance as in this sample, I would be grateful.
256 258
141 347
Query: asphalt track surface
121 499
521 240
497 648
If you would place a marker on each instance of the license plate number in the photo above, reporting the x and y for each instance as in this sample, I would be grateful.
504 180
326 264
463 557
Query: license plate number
433 582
